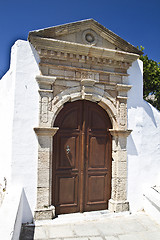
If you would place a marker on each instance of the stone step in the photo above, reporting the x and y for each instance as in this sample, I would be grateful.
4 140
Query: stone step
60 227
128 227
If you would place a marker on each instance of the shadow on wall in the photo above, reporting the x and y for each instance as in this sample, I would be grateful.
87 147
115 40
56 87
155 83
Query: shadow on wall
27 232
131 147
140 113
149 110
146 109
135 95
27 213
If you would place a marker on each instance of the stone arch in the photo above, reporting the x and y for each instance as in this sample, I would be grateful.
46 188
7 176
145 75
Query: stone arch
119 155
71 95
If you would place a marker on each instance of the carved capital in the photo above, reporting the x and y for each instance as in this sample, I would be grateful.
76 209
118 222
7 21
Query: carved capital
123 87
45 82
120 133
44 131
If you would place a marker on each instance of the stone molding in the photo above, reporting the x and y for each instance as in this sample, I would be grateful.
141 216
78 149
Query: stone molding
48 80
123 87
46 131
52 47
79 69
120 133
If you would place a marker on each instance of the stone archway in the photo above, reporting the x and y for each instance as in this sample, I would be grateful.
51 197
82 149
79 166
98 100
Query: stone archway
118 201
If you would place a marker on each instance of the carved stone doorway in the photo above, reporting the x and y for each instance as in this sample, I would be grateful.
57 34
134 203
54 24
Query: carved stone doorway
74 68
82 158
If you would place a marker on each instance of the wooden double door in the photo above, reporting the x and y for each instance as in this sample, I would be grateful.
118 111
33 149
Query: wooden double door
81 158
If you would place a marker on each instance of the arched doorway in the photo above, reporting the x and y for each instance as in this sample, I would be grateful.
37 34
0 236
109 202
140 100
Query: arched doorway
81 158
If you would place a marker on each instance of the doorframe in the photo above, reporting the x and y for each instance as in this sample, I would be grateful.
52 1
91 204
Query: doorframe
45 133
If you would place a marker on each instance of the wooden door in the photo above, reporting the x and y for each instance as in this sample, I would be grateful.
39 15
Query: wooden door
81 158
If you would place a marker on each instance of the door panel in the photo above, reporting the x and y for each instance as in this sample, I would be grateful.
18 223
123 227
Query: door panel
96 188
67 193
68 152
67 184
97 151
81 158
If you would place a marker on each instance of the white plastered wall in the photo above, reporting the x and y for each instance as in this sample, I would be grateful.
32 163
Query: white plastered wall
19 104
7 84
19 112
143 146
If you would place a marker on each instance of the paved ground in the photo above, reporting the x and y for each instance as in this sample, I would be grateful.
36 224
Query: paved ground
95 226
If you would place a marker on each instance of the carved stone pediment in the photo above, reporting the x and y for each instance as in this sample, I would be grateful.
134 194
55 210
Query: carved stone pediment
86 32
82 45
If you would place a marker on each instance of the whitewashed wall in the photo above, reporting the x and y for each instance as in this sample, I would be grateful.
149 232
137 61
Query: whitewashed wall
19 111
19 103
7 87
143 145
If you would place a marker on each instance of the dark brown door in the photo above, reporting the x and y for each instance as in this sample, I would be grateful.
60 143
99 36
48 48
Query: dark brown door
81 158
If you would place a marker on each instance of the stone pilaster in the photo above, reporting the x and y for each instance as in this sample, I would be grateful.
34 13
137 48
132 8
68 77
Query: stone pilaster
44 209
118 201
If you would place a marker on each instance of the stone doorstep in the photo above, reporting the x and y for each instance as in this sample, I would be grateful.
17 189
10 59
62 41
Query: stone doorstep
79 217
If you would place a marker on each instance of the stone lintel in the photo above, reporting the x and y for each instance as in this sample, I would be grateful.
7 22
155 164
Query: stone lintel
118 206
47 213
72 68
120 133
45 131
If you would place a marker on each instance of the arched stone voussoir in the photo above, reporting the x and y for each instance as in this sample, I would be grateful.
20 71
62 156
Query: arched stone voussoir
109 107
70 96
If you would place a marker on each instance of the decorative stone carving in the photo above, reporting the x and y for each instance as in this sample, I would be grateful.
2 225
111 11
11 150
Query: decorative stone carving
89 37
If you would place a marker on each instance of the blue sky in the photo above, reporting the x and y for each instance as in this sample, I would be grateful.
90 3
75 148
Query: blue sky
137 22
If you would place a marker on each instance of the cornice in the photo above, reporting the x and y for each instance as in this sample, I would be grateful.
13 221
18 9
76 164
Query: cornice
81 49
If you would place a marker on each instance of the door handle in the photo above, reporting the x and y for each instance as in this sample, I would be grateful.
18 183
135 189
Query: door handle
68 149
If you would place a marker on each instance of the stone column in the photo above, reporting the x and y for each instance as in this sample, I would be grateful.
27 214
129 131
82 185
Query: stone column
118 201
44 182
